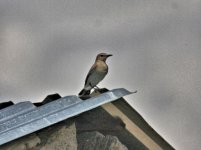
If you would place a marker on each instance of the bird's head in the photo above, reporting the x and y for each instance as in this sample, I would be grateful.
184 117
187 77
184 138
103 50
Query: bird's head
103 56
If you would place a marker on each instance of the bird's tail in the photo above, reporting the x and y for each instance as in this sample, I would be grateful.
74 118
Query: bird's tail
84 92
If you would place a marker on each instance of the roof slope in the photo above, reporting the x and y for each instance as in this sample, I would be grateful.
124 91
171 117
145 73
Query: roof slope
115 117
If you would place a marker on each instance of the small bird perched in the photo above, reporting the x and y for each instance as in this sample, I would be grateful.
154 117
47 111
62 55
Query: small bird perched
96 74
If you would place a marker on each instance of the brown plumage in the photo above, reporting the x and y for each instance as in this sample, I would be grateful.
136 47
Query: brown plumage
96 74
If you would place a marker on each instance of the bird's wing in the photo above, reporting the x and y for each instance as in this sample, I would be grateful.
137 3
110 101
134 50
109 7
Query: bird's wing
93 68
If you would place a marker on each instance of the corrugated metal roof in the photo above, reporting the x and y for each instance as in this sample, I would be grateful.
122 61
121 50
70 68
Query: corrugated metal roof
24 118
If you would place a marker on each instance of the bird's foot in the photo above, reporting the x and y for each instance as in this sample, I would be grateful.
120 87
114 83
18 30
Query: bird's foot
96 90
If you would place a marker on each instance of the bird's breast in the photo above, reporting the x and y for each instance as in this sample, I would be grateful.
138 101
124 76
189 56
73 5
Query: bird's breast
102 67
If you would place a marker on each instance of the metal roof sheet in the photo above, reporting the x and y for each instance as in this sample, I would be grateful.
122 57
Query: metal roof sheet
24 118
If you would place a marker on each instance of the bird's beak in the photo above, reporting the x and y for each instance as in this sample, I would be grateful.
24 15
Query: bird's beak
108 55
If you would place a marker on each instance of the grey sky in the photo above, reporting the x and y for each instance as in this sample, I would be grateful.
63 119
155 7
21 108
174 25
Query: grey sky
48 46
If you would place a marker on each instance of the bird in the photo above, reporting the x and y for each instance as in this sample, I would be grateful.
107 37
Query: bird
96 74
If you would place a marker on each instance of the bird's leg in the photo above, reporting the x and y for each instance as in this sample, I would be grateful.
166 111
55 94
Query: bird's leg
96 87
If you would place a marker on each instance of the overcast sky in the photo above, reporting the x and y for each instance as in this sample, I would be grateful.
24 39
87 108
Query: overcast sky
48 46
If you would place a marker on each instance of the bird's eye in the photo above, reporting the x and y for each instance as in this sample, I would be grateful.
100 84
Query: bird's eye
101 55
